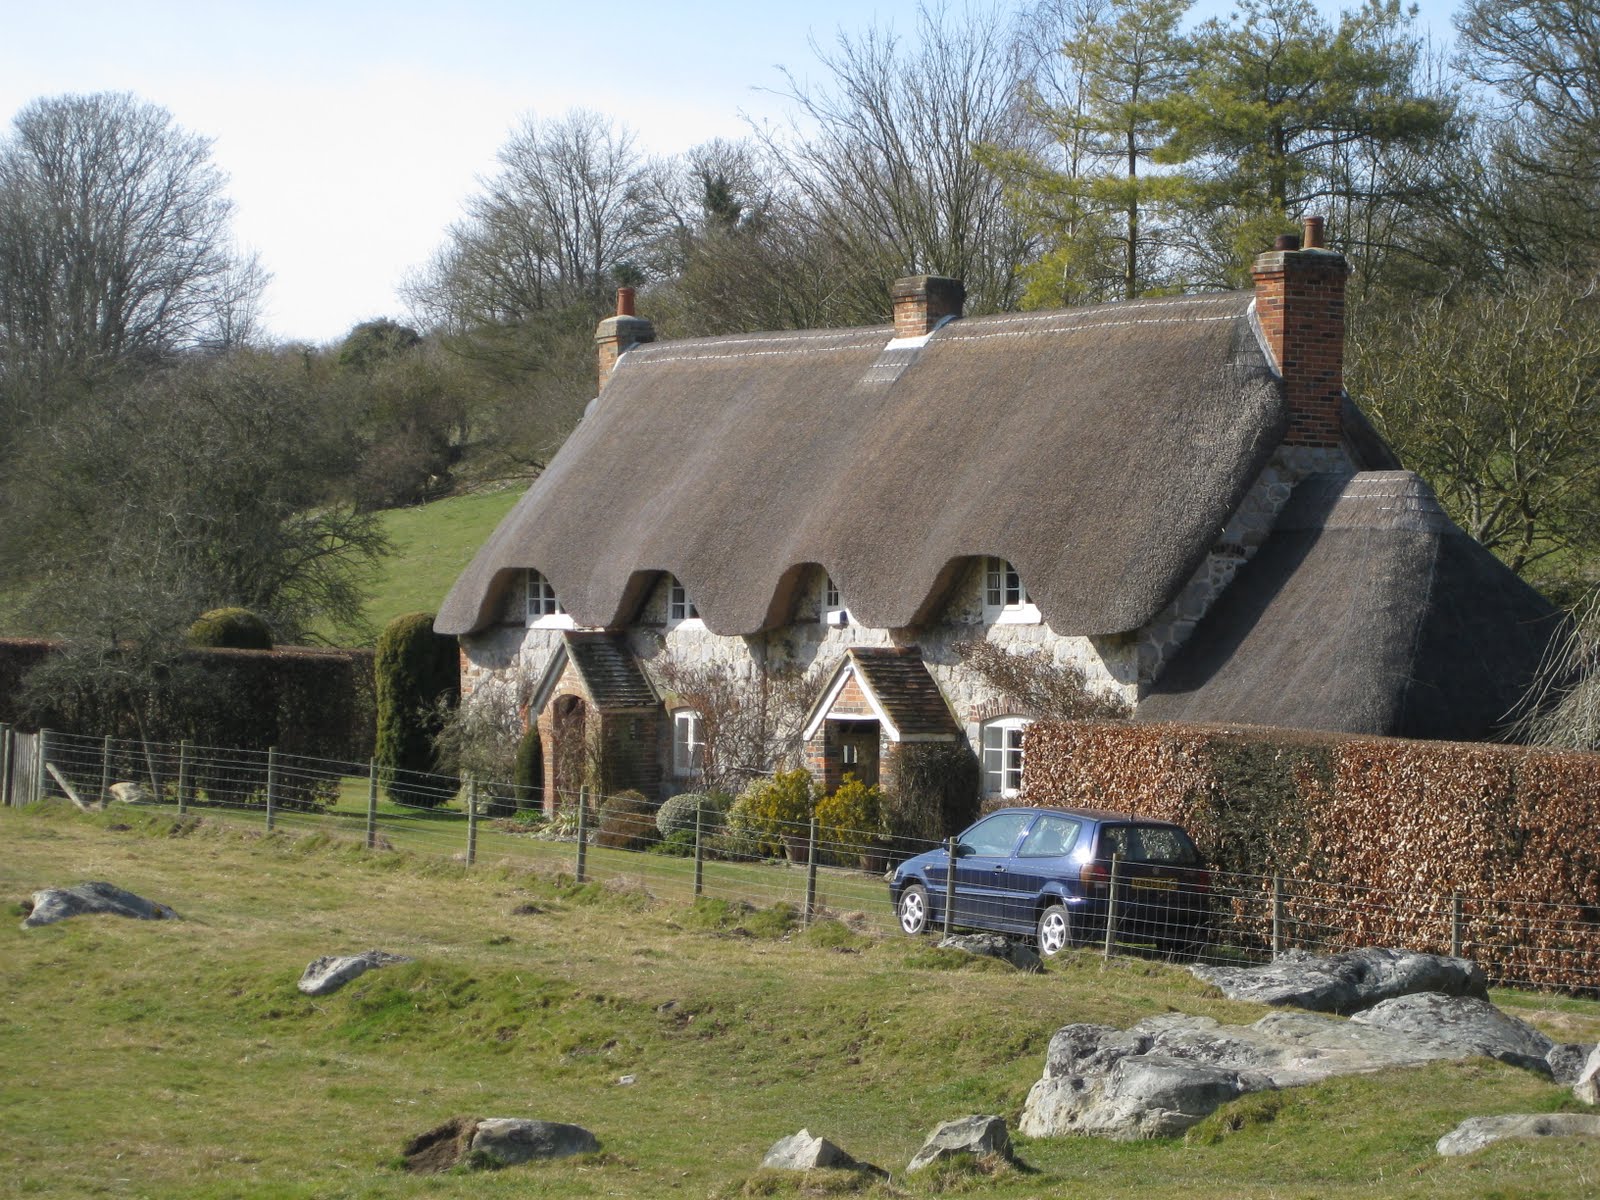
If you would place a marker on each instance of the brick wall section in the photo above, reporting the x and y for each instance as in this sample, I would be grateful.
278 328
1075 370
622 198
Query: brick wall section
1300 307
922 301
613 336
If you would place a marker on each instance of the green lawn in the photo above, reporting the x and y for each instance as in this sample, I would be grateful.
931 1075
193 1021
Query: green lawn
176 1059
433 543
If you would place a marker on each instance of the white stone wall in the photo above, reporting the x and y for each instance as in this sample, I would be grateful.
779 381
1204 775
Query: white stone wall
509 660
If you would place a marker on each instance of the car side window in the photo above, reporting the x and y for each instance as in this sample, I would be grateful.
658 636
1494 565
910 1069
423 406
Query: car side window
1050 837
996 834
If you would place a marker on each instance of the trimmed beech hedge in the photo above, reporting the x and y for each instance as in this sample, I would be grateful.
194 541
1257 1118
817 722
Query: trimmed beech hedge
1378 833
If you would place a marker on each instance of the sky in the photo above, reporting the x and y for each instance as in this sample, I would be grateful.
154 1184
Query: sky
353 132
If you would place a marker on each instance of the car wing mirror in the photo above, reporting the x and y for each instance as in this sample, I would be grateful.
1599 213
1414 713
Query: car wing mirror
964 851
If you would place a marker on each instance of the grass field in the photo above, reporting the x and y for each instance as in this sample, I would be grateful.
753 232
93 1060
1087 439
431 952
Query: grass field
433 543
176 1059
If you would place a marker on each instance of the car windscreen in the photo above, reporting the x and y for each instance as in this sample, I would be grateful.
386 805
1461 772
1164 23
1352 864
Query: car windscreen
1164 844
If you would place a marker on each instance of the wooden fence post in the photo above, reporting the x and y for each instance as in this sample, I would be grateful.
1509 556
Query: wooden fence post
5 764
183 777
699 849
811 873
372 803
472 821
105 774
40 758
272 783
1111 903
1277 915
1456 931
583 832
950 887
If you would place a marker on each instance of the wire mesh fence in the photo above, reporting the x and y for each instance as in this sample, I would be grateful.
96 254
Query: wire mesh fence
1104 906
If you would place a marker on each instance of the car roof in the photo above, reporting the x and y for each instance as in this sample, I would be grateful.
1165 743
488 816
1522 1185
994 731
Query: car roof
1103 816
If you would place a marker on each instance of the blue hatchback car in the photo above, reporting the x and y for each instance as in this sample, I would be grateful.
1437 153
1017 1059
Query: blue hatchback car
1046 873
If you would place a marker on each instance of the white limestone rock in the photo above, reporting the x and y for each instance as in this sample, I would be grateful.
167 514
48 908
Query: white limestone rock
331 972
975 1135
87 899
1348 982
1475 1133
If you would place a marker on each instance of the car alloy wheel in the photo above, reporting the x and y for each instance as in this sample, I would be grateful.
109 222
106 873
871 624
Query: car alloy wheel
914 909
1055 931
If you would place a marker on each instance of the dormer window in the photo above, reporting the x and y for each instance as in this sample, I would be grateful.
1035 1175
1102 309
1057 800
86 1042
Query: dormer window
1005 600
833 610
541 608
679 607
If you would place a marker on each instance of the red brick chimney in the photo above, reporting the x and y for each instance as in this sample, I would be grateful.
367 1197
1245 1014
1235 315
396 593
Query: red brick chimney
1300 306
616 334
922 301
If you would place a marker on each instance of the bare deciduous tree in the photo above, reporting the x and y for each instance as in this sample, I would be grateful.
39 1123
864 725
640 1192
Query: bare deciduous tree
113 244
882 160
1495 400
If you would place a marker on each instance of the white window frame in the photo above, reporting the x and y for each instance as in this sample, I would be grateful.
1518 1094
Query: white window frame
1005 599
1001 744
681 612
688 743
540 605
833 609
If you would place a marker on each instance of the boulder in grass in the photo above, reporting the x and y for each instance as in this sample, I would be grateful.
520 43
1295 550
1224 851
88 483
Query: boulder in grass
1567 1061
1587 1088
1460 1027
803 1152
979 1136
992 945
85 899
331 972
1475 1133
1346 983
507 1141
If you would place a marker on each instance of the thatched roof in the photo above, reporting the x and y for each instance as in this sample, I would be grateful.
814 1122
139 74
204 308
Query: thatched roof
1100 450
1367 611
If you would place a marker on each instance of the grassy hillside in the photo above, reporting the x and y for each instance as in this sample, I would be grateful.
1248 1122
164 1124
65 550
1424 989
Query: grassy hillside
433 543
176 1059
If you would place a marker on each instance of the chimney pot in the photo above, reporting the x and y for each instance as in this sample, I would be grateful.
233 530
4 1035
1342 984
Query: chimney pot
1314 230
1286 241
624 302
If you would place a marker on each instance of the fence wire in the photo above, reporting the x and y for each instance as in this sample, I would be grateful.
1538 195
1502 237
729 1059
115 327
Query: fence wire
820 873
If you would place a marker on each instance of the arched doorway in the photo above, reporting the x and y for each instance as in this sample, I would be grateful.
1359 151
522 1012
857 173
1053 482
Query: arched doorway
567 757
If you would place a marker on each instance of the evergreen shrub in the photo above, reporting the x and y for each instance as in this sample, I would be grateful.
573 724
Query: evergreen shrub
415 669
627 821
230 629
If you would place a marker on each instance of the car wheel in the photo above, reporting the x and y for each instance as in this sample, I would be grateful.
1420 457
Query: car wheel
1055 931
914 909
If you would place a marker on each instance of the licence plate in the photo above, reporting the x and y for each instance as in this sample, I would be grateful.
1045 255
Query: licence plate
1155 885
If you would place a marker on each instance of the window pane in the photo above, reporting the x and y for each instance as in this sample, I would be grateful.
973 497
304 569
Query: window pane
1051 837
997 834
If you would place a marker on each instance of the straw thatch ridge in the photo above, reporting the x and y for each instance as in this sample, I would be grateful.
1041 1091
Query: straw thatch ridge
1367 611
1100 450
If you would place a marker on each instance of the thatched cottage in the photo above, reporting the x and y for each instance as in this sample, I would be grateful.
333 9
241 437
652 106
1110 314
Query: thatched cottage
1173 496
